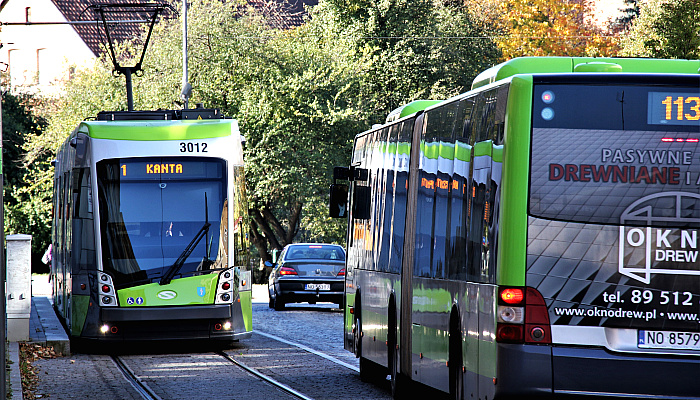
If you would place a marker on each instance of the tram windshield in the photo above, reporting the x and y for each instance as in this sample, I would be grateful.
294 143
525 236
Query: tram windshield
605 154
159 212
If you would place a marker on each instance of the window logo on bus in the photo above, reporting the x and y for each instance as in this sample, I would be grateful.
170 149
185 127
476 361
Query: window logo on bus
666 251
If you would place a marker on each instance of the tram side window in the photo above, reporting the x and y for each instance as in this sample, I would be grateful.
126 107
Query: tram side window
83 226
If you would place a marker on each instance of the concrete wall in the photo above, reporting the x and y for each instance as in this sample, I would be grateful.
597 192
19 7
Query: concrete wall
40 58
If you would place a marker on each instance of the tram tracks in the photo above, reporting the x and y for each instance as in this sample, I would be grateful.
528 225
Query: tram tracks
142 388
139 378
147 393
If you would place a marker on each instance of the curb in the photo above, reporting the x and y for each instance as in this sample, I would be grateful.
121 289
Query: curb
15 376
46 329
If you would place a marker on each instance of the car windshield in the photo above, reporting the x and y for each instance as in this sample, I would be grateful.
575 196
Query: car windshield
315 252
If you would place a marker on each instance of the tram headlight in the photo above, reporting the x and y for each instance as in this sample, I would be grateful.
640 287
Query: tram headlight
104 328
227 325
225 288
106 287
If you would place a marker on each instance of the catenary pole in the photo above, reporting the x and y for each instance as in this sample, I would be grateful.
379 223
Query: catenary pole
186 88
3 313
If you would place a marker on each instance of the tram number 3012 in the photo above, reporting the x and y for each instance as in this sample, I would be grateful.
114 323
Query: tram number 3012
190 147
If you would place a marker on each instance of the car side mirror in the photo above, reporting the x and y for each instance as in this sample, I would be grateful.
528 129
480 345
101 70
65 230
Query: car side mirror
268 264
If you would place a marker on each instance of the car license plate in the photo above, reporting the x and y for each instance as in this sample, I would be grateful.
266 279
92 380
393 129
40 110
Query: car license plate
318 286
668 340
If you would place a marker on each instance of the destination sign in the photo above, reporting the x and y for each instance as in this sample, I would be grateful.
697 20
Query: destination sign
673 108
170 168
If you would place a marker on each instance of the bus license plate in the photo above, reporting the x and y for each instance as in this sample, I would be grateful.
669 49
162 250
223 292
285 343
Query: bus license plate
318 286
669 340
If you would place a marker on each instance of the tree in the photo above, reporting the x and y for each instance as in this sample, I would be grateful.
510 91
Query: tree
409 50
665 29
550 28
300 95
630 12
292 97
678 31
20 124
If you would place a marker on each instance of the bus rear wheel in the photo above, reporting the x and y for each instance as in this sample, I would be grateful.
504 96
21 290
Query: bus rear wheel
455 364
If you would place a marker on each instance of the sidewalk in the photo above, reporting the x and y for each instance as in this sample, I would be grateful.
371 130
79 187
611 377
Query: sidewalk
44 329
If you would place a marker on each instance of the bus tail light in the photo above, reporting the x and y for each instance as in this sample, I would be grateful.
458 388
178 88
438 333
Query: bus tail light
522 317
537 328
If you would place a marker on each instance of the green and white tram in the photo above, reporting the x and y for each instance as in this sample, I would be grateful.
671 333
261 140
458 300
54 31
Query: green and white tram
150 228
536 236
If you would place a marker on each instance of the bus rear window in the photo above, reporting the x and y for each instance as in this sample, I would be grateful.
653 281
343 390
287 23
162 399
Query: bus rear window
616 154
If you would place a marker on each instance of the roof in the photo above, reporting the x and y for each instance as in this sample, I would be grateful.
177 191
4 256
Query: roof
280 14
94 38
283 14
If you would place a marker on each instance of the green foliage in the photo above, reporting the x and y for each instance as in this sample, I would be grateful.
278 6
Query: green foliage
630 12
407 49
678 30
23 213
665 29
300 96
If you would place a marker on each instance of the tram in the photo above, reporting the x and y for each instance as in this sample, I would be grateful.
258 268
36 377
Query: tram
535 237
150 229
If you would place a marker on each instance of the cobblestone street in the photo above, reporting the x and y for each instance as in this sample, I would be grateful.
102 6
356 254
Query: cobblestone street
191 371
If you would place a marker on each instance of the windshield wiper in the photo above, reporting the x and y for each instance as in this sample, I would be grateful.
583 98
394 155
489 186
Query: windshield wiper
203 231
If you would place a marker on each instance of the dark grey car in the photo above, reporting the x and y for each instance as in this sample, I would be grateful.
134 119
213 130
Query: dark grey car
308 272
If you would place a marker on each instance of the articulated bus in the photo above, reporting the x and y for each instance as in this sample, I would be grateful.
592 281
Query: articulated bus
535 236
149 230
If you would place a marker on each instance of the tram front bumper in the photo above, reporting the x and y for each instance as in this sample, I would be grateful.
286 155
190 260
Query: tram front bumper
167 323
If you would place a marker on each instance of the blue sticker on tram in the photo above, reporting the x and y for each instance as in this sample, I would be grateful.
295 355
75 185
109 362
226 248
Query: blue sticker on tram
139 300
201 291
130 301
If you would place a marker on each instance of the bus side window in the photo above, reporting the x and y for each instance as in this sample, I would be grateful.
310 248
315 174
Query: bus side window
426 195
385 196
478 241
401 165
457 251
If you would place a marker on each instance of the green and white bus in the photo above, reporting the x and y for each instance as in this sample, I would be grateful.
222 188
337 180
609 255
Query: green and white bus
150 228
535 236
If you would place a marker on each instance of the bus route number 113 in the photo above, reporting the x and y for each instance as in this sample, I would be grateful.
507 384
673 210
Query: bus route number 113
679 102
189 147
